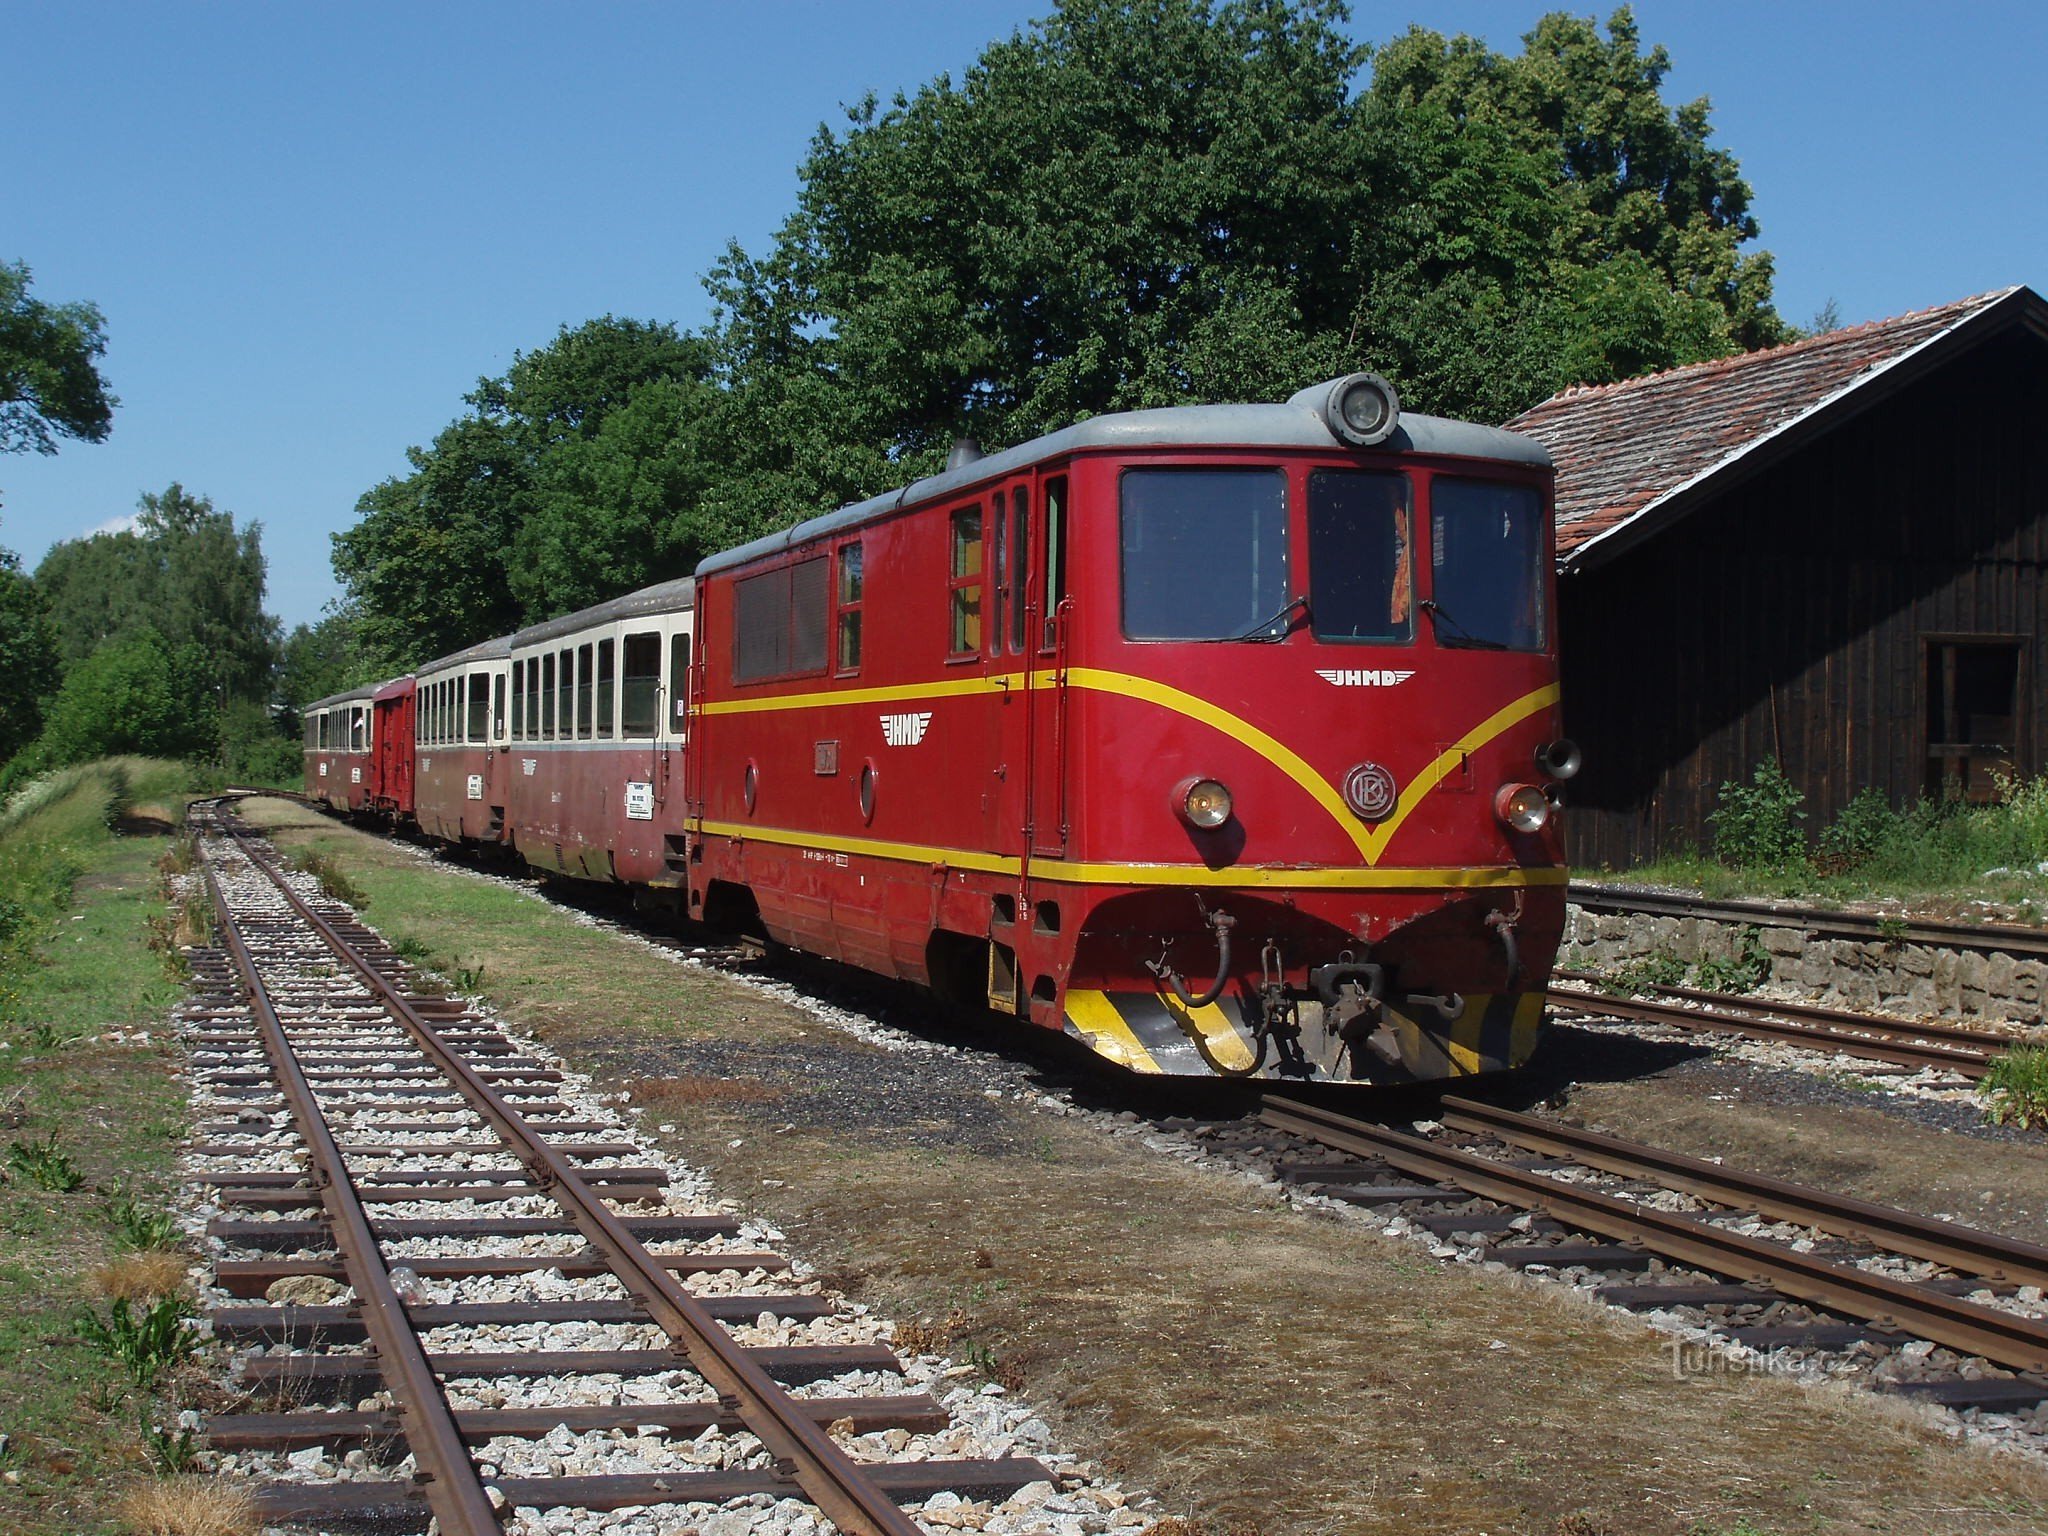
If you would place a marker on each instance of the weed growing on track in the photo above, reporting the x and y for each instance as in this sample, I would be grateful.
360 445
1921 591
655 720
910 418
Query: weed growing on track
44 1164
2015 1090
332 878
147 1340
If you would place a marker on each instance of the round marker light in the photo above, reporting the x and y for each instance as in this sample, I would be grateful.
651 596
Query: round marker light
1202 803
1362 409
1523 807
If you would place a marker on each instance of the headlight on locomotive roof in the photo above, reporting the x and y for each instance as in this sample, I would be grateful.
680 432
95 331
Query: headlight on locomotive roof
1202 803
1362 409
1523 807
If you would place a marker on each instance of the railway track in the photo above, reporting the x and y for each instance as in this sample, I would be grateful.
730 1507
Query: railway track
1902 1042
479 1274
2013 939
1929 1309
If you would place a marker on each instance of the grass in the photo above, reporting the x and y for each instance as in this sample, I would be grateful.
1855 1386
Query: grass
2015 1089
90 1112
1939 851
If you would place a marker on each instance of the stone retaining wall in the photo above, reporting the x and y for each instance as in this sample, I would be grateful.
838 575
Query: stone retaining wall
1915 980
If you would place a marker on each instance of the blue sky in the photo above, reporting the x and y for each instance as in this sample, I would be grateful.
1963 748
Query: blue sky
312 228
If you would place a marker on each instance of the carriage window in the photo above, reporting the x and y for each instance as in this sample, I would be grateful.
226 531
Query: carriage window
583 692
321 732
1020 566
640 687
606 688
498 705
1486 565
849 607
479 721
779 622
679 681
565 696
358 731
965 582
1205 554
1361 572
518 701
999 573
547 697
1055 560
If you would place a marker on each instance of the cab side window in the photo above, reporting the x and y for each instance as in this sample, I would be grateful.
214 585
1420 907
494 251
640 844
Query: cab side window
965 582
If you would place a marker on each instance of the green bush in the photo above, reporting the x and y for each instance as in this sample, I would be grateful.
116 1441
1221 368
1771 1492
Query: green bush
1859 831
1756 825
2015 1089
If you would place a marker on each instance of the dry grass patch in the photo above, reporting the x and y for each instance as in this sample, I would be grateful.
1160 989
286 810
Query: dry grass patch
140 1276
191 1506
656 1092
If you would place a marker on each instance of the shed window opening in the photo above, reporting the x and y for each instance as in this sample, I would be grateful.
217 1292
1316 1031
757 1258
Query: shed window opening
640 685
585 692
1360 564
547 697
1973 702
779 622
1204 554
479 721
1486 565
679 681
965 583
847 645
1055 558
607 688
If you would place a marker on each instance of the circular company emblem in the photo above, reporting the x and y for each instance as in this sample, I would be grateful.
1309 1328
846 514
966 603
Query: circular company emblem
1369 790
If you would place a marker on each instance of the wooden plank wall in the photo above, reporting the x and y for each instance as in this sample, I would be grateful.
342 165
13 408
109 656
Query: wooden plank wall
1789 617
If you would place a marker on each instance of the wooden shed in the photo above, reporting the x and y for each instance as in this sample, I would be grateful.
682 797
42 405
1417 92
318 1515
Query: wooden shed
1833 552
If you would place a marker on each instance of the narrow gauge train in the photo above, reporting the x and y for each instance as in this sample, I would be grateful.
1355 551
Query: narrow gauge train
1223 738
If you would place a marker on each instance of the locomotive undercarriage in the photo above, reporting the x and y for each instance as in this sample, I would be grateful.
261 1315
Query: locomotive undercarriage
1398 987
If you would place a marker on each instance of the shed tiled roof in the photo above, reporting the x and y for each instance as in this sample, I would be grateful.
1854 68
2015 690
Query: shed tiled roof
1627 451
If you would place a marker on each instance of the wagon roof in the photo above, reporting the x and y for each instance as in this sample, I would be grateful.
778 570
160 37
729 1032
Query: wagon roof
677 596
484 650
1297 424
1634 456
368 690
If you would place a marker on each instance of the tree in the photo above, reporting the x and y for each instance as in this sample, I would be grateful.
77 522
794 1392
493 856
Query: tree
186 573
28 656
50 384
136 694
318 660
573 478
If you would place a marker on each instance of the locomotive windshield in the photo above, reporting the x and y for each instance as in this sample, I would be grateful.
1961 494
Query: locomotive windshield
1486 564
1360 574
1205 554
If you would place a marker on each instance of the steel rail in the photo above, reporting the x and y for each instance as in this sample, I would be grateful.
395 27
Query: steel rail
1968 1250
1885 1042
827 1475
454 1490
1981 938
2019 1343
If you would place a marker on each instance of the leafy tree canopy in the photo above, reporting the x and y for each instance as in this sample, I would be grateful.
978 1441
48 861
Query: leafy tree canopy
184 573
50 384
317 660
1130 203
28 656
136 694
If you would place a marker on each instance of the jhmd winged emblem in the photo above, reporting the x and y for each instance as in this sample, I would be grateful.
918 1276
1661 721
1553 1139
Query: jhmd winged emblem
1367 678
906 730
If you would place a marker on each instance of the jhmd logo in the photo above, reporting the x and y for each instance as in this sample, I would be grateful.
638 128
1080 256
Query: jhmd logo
1368 678
906 730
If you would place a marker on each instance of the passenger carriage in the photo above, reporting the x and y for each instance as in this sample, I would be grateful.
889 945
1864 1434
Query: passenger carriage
460 728
339 737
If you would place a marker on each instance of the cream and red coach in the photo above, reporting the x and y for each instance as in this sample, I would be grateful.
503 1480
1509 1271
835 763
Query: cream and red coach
459 735
1220 737
340 739
591 770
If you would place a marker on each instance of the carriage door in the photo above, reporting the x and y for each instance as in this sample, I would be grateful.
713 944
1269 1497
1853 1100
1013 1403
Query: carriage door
1045 658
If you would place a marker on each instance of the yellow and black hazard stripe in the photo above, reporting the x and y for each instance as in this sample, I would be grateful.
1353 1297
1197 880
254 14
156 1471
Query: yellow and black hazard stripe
1154 1033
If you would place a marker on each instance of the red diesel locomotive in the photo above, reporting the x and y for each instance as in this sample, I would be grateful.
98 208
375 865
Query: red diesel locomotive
1223 738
